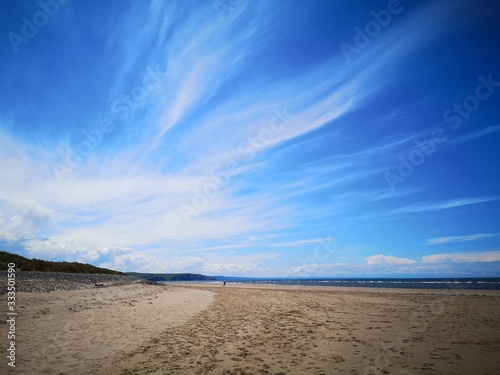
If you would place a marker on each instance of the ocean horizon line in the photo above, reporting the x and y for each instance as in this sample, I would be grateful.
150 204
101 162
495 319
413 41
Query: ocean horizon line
476 283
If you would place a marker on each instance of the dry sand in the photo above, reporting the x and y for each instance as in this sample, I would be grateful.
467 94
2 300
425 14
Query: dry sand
210 329
79 331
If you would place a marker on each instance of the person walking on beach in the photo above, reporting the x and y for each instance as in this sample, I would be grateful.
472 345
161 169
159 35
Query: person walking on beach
223 283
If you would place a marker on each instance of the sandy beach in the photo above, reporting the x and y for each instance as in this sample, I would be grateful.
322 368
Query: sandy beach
79 331
242 329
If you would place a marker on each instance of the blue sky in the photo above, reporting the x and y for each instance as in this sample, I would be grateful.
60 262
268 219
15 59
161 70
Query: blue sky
253 138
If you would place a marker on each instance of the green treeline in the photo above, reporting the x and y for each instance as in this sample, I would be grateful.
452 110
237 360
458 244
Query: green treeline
24 264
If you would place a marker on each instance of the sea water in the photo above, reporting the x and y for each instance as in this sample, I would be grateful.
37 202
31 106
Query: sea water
490 283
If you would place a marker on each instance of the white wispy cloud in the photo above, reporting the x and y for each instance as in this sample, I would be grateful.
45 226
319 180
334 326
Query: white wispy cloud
485 256
380 259
325 269
444 205
471 237
326 241
472 136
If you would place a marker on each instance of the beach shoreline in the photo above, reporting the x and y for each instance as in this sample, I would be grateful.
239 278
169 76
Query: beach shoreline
403 290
